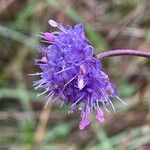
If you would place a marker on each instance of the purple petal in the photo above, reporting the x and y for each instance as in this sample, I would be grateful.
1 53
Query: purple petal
48 36
99 115
84 123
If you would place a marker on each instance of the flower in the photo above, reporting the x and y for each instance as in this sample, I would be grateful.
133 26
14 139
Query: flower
70 73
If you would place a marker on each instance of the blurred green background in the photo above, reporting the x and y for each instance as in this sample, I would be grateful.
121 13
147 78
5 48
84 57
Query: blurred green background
109 24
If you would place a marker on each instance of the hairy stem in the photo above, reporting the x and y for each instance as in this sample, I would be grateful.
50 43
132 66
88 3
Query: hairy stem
121 52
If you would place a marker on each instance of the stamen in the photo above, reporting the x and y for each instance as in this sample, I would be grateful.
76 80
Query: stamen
53 23
77 101
106 109
40 85
97 104
43 59
121 100
39 82
49 42
63 70
112 106
55 32
70 80
83 69
55 99
49 99
47 96
38 95
35 74
81 83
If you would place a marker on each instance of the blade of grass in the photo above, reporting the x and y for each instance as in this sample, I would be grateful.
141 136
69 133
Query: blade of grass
17 36
135 135
15 93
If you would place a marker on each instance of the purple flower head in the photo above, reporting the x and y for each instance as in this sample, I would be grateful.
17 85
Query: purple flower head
70 73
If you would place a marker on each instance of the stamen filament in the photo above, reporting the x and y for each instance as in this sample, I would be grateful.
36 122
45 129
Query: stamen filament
121 100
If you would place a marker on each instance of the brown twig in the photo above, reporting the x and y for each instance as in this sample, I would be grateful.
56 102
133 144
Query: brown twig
126 20
5 4
41 128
